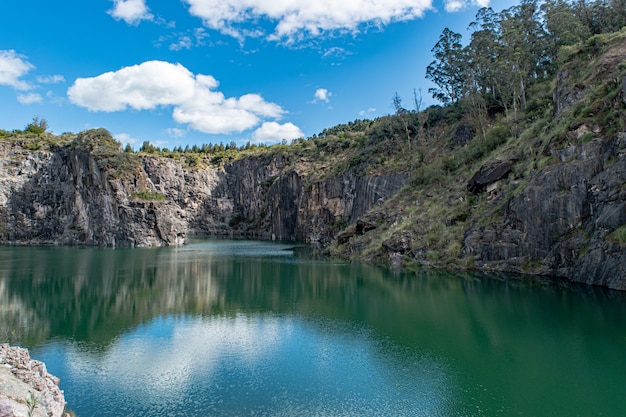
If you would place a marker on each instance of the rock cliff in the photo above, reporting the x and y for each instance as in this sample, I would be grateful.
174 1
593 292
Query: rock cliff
67 195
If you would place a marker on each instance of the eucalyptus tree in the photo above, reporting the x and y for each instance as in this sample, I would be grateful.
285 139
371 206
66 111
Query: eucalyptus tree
562 27
448 70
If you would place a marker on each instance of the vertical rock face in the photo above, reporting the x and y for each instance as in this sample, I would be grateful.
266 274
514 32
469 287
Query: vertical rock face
560 224
63 197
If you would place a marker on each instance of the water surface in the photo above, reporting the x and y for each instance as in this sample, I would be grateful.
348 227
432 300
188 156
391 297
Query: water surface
258 328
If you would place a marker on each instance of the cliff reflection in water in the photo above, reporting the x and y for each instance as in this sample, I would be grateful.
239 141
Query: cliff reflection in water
94 294
510 340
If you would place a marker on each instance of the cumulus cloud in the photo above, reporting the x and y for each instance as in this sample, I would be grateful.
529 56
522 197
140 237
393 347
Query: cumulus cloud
294 20
194 98
322 94
274 132
13 67
130 11
30 98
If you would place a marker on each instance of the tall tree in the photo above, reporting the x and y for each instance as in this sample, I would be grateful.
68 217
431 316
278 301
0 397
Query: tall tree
447 71
562 27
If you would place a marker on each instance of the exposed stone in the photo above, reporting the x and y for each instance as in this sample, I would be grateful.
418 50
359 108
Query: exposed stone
399 243
363 226
22 377
560 223
463 134
488 174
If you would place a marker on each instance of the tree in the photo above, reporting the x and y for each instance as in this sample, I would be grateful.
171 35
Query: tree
562 27
403 115
37 126
422 116
447 71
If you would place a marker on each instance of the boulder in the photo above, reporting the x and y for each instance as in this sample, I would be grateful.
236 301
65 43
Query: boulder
489 173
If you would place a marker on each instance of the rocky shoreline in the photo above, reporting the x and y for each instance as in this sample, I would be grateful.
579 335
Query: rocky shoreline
26 387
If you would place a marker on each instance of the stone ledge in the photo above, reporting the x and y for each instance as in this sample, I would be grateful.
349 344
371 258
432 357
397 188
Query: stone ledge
23 378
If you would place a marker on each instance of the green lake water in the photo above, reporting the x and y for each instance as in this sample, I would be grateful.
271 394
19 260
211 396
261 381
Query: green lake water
242 328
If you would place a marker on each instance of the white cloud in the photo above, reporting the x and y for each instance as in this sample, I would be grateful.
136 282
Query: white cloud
452 6
184 42
126 138
194 98
175 132
368 112
295 20
13 67
322 94
274 132
130 11
50 79
30 98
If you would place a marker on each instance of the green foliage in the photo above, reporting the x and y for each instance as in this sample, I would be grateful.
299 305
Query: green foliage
31 403
148 195
37 126
448 69
107 152
619 235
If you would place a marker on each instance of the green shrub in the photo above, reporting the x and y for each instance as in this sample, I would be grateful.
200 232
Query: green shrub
148 195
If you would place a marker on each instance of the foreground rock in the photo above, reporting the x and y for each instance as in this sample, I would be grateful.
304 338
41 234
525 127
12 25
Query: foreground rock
26 387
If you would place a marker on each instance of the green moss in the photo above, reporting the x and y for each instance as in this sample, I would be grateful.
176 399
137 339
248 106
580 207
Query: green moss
148 195
618 235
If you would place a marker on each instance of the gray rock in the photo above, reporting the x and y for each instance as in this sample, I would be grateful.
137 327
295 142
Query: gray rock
488 174
23 379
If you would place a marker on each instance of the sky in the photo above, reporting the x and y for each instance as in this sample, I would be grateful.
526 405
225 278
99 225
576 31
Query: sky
185 72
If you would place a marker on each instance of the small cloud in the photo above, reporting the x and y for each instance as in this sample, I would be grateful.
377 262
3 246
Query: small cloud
175 132
50 79
336 53
127 139
14 66
130 11
275 132
30 98
322 94
52 98
184 42
452 6
368 112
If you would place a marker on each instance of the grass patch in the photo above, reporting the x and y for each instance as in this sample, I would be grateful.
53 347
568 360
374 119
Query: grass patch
148 195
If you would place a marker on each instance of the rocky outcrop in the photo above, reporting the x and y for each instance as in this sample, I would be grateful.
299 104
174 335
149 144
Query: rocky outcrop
561 222
489 174
26 387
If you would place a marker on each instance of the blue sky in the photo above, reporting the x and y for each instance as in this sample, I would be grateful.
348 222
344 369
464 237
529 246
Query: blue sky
184 72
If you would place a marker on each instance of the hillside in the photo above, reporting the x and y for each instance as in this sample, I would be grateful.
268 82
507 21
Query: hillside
538 189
